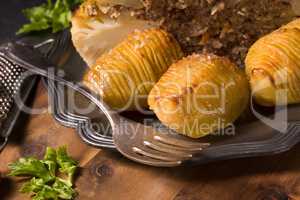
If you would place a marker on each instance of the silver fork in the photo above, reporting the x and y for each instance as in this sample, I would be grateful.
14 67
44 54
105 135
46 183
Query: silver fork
157 143
141 143
151 146
81 123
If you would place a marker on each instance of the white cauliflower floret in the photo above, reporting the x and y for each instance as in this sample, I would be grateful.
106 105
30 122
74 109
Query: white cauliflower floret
95 32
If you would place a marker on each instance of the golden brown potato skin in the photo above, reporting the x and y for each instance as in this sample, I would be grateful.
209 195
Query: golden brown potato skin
273 66
199 91
129 71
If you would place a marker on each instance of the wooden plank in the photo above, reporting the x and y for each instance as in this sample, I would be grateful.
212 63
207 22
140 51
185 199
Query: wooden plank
107 175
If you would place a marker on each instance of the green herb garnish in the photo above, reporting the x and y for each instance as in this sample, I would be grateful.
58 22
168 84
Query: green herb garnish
55 16
66 164
30 167
44 183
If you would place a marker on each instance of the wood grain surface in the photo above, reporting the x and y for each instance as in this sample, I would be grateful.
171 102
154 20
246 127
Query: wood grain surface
106 175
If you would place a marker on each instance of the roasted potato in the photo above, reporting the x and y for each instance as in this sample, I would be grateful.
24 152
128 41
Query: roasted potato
124 76
199 95
273 66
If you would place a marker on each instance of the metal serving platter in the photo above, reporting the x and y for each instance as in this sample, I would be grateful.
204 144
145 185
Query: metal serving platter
92 127
274 133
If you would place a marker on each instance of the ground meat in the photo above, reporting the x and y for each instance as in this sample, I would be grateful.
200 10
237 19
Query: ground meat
224 27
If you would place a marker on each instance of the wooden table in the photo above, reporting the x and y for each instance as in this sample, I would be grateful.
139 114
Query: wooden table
106 175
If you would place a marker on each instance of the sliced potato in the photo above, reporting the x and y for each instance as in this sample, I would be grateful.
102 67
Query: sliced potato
273 66
199 94
124 76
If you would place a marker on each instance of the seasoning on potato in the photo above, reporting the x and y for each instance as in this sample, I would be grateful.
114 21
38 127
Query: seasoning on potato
273 66
198 93
124 76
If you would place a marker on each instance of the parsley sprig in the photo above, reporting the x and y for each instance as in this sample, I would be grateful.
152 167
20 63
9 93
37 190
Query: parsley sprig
55 16
45 184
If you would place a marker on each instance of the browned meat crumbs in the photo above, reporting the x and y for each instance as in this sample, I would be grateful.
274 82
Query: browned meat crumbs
224 27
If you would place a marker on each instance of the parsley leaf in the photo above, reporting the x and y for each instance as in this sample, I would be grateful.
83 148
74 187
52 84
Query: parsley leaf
34 185
46 193
44 184
30 167
50 160
39 189
66 163
63 189
55 16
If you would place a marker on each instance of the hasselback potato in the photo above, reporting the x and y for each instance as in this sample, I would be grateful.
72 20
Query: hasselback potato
124 76
198 94
273 66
